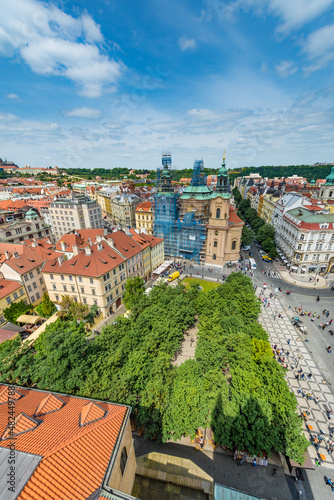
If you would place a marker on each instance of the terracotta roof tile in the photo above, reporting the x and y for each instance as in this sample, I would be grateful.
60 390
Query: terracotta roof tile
74 459
90 412
80 239
124 244
22 423
4 395
8 286
48 404
26 261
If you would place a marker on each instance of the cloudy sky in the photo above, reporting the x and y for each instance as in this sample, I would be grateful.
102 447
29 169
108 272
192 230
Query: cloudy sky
107 83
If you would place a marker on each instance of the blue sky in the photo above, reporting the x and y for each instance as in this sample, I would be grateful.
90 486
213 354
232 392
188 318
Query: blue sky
113 83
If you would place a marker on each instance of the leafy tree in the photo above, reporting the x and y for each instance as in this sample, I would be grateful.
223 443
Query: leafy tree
247 236
134 291
46 308
16 360
71 309
93 312
266 232
15 310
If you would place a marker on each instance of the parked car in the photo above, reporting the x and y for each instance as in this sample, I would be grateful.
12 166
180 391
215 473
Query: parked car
251 254
245 247
266 258
262 252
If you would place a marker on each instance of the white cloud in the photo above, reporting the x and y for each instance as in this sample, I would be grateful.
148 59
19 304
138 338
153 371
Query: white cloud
14 97
319 48
90 113
285 68
293 13
52 42
187 43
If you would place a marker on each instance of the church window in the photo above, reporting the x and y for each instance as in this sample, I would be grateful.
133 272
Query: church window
330 194
214 256
216 233
215 243
218 213
322 193
234 244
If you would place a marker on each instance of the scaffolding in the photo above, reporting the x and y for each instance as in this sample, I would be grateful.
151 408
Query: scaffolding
184 233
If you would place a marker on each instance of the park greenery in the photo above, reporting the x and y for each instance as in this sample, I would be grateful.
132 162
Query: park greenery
46 308
15 310
308 171
233 384
264 233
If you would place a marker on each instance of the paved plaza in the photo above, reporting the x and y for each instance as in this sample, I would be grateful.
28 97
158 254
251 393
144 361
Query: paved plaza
281 331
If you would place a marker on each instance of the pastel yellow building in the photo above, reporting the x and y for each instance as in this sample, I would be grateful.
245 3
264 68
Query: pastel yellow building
144 217
10 292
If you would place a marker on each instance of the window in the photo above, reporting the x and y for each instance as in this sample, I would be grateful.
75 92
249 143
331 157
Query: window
234 244
8 300
306 256
37 296
106 277
116 291
65 288
91 280
84 300
62 277
31 275
72 289
34 285
95 302
80 279
70 278
82 289
93 291
215 243
21 292
214 256
216 233
2 319
299 247
54 287
309 246
15 295
29 288
114 271
124 459
327 256
115 281
38 270
57 297
218 213
41 281
32 298
107 287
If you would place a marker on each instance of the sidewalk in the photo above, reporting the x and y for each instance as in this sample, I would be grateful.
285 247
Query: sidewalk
280 331
302 280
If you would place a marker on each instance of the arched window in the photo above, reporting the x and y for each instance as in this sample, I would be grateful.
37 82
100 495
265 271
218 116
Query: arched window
234 244
124 459
28 228
216 233
8 233
218 213
214 256
215 244
330 194
322 193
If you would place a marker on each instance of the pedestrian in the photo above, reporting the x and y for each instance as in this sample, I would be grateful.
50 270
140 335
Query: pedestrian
254 462
288 341
316 400
309 376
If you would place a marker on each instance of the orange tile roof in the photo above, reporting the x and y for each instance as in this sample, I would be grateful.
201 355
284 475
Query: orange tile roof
26 261
124 244
90 412
80 239
48 404
22 423
146 206
96 264
139 239
7 335
152 240
8 286
43 248
234 218
74 458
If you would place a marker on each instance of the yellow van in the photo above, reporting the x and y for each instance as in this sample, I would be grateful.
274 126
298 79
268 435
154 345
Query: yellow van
173 276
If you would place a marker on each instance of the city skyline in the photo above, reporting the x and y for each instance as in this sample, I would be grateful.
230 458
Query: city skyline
104 85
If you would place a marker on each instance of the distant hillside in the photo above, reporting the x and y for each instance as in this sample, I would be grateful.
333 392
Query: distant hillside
308 171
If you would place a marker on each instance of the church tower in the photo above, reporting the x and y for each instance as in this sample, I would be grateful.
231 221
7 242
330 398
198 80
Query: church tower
224 227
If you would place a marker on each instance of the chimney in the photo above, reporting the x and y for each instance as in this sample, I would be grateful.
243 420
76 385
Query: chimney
7 255
16 255
127 232
105 231
111 242
89 242
98 238
75 249
63 246
137 231
60 260
34 243
99 246
88 251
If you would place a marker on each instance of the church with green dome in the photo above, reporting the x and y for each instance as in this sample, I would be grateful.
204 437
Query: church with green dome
200 223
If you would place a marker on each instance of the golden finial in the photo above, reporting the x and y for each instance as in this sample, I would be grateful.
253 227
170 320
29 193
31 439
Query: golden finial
224 155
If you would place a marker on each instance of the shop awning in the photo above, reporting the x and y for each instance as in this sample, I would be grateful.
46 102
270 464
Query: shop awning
28 318
294 267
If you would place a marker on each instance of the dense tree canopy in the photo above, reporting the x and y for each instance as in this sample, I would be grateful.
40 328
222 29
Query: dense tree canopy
233 385
15 310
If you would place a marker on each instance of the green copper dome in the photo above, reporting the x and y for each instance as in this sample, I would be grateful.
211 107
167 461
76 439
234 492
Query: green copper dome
312 181
223 169
330 177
